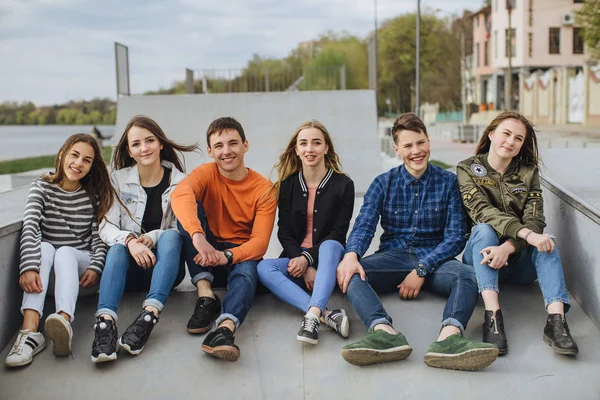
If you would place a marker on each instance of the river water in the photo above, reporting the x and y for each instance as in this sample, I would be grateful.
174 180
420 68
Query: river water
18 141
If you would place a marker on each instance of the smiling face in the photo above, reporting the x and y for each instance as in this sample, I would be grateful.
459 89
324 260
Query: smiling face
227 149
77 164
507 139
414 149
143 146
311 147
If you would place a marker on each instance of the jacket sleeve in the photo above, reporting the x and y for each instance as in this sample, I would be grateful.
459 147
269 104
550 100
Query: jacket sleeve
185 196
285 234
110 227
533 215
31 233
481 210
99 250
340 227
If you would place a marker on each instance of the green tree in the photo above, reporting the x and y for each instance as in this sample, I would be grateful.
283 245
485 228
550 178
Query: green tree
588 17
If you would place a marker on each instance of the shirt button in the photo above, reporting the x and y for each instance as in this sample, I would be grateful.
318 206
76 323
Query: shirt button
318 192
304 194
315 210
417 194
314 230
416 211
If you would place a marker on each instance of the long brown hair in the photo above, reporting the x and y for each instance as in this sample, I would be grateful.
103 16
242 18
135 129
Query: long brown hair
529 151
171 151
289 163
96 182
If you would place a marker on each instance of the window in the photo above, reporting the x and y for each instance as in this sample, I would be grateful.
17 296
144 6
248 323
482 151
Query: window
554 41
485 52
477 21
577 40
511 3
530 44
577 1
477 54
510 39
495 45
530 13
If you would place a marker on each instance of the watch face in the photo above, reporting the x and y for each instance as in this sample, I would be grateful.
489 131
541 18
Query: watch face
421 271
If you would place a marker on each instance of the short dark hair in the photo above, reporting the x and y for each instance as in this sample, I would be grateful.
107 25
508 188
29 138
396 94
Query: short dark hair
224 124
410 122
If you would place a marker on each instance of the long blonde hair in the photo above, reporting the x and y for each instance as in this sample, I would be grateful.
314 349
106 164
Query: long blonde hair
289 163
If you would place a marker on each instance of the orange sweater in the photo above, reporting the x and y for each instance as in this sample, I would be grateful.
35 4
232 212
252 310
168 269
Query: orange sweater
236 210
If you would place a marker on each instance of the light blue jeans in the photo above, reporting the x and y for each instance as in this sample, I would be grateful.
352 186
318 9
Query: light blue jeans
274 275
528 265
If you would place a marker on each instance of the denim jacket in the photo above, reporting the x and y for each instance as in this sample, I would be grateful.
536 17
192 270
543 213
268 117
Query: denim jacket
118 223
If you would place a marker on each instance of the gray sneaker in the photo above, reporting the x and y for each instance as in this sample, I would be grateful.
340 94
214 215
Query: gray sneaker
338 321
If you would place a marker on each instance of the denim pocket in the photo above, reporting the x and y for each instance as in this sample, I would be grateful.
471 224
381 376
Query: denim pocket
435 214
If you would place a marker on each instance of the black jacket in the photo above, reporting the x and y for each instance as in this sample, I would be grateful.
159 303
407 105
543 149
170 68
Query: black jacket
334 204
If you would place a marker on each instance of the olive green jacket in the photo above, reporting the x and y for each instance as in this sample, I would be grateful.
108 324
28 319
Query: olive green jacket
506 202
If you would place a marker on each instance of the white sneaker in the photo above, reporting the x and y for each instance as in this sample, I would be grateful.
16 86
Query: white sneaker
27 345
59 331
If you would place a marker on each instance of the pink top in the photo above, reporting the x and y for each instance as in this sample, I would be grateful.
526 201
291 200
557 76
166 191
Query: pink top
307 242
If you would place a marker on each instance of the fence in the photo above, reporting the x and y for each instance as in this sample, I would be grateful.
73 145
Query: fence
276 79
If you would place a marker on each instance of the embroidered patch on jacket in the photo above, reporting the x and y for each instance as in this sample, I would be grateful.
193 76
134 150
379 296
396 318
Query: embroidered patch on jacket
518 189
486 182
536 195
478 169
469 196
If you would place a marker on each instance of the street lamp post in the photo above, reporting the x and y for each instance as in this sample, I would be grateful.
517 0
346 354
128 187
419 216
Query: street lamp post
418 61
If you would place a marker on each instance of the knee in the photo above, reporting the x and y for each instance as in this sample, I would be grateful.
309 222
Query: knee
63 253
331 246
484 232
171 238
247 270
355 282
466 273
264 269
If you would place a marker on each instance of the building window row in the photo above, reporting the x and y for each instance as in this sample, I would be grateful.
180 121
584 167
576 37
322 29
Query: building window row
554 40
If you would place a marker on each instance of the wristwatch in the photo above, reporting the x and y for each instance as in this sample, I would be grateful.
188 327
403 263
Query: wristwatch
229 256
421 270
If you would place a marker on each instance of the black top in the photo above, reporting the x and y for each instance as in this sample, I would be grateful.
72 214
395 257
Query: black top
153 213
334 204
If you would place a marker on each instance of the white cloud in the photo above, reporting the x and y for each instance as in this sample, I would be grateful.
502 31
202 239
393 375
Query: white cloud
55 50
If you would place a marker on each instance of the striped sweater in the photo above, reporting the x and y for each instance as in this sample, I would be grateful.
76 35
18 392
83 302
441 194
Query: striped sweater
60 218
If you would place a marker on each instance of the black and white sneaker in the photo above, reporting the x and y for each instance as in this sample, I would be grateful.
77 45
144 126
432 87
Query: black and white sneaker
309 329
104 347
27 345
219 344
136 335
338 321
206 312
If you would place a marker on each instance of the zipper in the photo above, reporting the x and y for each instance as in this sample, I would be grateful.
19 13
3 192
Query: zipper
502 194
495 326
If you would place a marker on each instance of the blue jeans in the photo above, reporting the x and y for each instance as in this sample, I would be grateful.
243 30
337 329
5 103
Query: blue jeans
240 279
387 269
274 275
121 273
523 270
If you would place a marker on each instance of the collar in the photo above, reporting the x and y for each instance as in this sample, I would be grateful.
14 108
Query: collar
408 178
133 175
321 185
514 163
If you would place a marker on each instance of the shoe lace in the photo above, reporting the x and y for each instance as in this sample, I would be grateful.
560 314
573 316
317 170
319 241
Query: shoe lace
310 324
103 336
18 346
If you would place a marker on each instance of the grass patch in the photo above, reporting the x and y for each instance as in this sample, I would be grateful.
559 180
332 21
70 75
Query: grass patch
440 164
31 163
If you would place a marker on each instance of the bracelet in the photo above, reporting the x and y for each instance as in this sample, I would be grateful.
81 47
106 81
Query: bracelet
526 236
127 240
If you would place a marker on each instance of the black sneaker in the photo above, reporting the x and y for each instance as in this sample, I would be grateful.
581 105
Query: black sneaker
206 312
338 321
219 344
104 347
309 330
136 335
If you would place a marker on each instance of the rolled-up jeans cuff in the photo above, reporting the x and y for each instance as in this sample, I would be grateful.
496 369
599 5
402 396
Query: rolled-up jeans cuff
566 302
488 287
453 322
153 303
202 275
232 317
380 321
107 311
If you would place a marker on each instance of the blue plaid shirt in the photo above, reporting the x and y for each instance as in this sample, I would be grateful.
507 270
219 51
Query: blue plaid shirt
424 215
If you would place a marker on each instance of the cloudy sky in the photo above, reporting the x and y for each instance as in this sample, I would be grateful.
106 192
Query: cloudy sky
52 51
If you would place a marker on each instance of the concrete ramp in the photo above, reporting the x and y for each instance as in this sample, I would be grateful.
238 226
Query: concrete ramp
269 120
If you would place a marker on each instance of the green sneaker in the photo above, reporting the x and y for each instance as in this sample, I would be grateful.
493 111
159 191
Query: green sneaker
377 347
458 352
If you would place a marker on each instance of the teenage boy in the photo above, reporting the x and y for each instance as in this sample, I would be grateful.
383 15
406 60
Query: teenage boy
226 217
423 230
